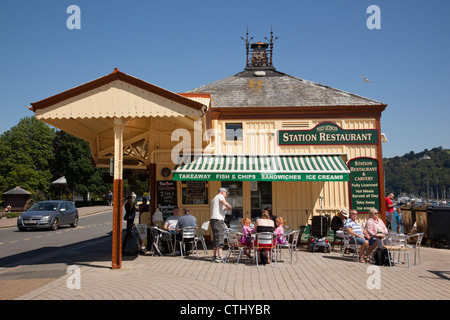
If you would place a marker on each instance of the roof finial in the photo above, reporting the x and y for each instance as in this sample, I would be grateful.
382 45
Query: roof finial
247 47
271 44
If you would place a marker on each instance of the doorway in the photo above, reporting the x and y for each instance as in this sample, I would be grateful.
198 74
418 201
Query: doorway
235 199
257 198
260 197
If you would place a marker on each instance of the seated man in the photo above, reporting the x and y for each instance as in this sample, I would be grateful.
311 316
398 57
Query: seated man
171 221
185 221
354 228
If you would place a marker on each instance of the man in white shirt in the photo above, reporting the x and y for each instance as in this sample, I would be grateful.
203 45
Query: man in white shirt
171 221
219 207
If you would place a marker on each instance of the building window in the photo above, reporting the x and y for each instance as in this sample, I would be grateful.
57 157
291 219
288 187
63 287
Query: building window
194 192
233 131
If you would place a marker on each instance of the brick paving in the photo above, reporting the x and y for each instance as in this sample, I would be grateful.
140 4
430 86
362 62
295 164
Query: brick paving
315 276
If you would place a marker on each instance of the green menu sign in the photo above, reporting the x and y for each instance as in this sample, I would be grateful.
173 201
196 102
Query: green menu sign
364 186
327 133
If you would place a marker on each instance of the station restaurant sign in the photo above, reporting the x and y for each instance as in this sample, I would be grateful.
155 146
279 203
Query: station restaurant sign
364 184
327 133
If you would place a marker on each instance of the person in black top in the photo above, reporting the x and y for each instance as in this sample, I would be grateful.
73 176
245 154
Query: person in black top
130 212
338 220
337 225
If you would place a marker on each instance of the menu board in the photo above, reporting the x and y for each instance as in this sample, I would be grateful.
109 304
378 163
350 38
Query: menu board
196 192
364 184
166 193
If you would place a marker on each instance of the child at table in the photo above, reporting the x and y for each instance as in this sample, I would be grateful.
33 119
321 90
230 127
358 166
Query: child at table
247 231
279 231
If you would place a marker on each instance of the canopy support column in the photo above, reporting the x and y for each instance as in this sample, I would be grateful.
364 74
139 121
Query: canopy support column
118 195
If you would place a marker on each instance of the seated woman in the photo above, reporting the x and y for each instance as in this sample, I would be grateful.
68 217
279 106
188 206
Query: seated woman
375 228
265 224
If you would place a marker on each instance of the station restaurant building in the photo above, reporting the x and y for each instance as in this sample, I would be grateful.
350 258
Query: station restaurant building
272 139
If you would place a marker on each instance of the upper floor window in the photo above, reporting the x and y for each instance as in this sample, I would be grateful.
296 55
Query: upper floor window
233 131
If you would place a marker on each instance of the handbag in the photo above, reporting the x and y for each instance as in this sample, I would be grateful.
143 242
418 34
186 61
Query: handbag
340 234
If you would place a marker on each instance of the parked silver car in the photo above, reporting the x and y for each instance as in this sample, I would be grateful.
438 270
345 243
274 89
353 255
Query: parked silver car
49 215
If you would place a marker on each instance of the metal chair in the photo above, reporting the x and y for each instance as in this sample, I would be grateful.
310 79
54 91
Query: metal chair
415 246
337 236
264 241
156 237
292 246
351 247
199 236
396 243
234 245
187 236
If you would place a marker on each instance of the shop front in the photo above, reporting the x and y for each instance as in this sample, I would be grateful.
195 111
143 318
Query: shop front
273 140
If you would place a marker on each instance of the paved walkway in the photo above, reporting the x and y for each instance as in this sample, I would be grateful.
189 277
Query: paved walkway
314 276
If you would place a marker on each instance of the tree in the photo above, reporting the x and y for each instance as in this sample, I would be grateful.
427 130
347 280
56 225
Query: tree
72 160
414 173
25 153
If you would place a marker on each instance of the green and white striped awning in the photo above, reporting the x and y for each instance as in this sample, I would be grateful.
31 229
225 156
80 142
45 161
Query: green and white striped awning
263 168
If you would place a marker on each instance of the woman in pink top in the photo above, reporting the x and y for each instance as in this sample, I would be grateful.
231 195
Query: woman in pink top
376 228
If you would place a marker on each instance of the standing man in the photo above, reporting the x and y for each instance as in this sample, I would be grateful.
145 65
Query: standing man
389 210
218 208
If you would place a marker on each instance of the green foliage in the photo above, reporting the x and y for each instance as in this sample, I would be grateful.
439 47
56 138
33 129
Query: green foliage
72 159
25 153
418 173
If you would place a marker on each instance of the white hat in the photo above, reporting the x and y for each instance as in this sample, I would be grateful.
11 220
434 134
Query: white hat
344 212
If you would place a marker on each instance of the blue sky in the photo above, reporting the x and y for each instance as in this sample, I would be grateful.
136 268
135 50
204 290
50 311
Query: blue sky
181 45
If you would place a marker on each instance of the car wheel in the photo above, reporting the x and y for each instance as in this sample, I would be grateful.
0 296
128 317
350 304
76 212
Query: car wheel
22 229
55 224
74 224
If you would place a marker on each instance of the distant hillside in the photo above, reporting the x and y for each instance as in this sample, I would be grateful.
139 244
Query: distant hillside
422 174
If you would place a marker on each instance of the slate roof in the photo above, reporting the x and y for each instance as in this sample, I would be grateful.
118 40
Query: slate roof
276 89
